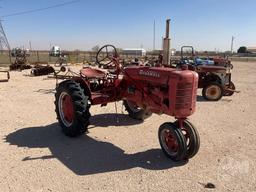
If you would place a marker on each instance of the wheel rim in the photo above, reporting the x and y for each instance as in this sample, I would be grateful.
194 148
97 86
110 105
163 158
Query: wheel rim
187 136
66 109
132 105
213 92
169 142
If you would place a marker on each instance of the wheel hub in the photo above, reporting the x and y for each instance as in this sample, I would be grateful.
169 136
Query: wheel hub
66 109
213 92
170 141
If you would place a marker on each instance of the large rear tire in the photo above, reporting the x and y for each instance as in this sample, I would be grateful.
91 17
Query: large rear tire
72 108
213 91
135 112
172 141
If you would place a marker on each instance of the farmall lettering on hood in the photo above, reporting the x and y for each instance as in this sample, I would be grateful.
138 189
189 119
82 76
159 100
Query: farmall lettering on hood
149 73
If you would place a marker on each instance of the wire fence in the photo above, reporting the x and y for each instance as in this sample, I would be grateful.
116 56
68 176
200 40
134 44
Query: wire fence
43 57
73 57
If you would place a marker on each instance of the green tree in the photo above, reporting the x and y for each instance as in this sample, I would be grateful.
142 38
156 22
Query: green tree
242 49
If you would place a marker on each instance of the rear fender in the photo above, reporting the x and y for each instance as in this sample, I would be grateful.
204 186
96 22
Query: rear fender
84 85
215 77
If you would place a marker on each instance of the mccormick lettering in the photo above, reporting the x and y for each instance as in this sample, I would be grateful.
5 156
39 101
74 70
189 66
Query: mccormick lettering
149 73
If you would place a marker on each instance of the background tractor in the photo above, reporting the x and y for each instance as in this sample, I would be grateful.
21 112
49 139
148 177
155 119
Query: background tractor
214 75
20 56
144 90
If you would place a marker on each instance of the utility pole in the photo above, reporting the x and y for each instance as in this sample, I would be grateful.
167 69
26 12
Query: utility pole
232 43
154 36
4 44
30 46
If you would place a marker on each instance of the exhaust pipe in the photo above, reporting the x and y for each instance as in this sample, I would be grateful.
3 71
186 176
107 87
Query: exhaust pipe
166 45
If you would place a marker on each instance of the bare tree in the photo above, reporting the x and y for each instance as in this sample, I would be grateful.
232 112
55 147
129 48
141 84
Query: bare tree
96 48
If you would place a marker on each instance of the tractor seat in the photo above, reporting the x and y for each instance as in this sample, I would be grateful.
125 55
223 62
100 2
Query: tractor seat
92 73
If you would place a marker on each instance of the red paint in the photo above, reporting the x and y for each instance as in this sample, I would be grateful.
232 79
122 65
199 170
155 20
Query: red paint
68 109
92 73
158 89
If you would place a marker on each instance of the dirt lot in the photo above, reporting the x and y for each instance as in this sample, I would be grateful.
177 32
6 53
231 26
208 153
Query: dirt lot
124 155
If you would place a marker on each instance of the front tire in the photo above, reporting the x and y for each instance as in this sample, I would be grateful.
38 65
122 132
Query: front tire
135 112
213 91
172 141
228 92
72 108
192 138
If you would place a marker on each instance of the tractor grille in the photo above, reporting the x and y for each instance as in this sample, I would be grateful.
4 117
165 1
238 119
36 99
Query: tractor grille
184 96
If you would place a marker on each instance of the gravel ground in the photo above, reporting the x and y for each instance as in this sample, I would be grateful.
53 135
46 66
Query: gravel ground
121 154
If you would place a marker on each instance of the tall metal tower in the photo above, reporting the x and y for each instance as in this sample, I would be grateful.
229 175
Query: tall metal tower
4 44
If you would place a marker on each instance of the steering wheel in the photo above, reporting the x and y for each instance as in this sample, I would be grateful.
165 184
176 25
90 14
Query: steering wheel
105 56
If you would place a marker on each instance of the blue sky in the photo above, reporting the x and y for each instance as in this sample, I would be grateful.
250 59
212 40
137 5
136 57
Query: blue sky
205 24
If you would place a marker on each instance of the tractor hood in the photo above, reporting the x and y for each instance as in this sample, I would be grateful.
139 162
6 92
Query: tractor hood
162 90
157 74
206 68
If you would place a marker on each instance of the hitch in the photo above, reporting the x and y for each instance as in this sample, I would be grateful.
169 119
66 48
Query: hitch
8 76
232 90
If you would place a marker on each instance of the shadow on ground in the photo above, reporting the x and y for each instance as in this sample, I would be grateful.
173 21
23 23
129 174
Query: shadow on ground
46 91
200 98
85 155
112 119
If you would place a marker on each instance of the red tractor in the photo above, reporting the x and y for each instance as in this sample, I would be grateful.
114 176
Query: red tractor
214 74
144 90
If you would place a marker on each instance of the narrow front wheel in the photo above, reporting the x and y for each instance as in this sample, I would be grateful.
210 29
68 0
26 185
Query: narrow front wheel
231 89
172 141
192 138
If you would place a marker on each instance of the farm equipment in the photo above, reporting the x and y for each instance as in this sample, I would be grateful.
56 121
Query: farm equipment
39 70
55 51
7 74
144 90
214 80
61 61
62 58
20 62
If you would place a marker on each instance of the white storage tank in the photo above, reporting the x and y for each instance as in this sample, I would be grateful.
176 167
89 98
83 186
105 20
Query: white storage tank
134 51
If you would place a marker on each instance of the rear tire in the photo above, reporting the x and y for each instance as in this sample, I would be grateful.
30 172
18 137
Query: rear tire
213 91
72 108
135 112
172 141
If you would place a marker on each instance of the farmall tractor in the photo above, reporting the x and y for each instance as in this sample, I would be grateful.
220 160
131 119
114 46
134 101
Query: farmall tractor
214 75
143 90
20 62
